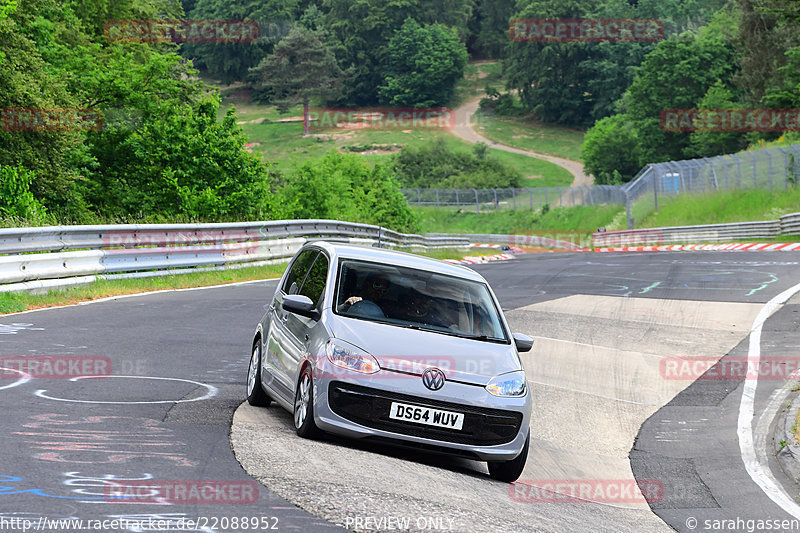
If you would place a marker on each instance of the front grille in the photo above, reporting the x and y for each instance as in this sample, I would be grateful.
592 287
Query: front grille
370 407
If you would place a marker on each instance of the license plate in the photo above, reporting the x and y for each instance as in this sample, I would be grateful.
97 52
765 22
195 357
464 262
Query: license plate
426 415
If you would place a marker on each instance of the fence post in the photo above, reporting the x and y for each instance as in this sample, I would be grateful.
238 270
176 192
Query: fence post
655 192
514 198
769 160
530 190
495 199
458 205
785 168
739 168
437 197
628 209
477 203
755 171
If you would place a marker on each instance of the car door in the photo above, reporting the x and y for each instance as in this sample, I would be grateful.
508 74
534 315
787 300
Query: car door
298 328
276 375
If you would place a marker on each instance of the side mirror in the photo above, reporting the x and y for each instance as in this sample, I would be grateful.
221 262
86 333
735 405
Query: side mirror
300 305
523 342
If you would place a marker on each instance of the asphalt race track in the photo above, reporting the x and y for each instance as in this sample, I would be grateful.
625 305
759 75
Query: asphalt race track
610 422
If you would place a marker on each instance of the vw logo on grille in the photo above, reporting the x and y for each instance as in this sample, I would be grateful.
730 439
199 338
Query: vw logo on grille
433 378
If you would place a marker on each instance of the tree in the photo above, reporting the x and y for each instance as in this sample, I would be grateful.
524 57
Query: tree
230 62
610 146
423 64
676 75
489 28
300 68
711 143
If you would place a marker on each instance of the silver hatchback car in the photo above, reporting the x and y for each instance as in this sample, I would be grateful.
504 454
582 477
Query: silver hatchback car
395 348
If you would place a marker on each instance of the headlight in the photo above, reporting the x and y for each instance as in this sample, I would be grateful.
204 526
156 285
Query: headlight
351 358
511 385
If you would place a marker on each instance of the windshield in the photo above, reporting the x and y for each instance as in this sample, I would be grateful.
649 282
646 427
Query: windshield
413 298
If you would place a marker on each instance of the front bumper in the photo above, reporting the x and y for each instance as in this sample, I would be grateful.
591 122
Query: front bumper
359 408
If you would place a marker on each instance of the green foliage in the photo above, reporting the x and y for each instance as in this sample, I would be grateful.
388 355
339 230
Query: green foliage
362 29
610 146
229 62
489 28
677 74
302 67
436 165
707 143
422 65
16 199
343 187
182 162
498 103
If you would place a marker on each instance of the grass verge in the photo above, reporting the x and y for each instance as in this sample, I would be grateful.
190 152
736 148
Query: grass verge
719 208
527 134
13 302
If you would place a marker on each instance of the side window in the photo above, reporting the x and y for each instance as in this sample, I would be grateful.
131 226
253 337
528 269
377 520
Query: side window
298 271
314 285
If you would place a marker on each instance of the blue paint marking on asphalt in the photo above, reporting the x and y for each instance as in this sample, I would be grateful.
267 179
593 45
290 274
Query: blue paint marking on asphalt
7 490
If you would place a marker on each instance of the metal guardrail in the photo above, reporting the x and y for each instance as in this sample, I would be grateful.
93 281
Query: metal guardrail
519 239
40 258
786 225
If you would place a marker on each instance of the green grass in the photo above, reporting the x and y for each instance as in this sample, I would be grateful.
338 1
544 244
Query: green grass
579 220
719 208
477 76
527 134
285 146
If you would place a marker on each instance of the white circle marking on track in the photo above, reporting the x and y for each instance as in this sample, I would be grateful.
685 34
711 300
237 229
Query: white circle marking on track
212 391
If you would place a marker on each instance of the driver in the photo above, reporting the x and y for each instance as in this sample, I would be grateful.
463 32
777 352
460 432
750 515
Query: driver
373 289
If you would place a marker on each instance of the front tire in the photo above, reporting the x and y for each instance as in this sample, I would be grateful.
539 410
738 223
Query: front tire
509 471
255 394
304 407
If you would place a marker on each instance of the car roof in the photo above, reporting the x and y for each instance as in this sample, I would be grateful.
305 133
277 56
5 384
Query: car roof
386 256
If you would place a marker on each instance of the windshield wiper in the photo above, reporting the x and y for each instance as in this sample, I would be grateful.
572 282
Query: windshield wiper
484 338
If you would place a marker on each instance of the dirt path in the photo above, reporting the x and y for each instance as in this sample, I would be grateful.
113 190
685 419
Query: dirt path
464 130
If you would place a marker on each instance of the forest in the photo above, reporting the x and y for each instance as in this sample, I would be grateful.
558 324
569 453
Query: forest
133 134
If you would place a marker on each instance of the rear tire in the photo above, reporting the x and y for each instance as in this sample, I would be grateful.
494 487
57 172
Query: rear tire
255 394
304 407
509 471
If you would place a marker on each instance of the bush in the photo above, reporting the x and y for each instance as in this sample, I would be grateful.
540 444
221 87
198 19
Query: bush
436 165
343 187
610 150
16 199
